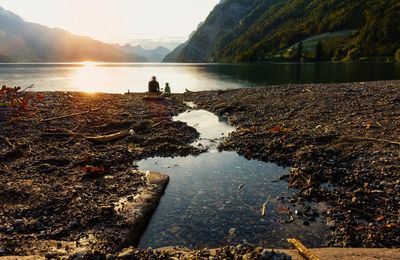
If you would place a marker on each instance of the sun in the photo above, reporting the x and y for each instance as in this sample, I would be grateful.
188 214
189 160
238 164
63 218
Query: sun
88 63
89 78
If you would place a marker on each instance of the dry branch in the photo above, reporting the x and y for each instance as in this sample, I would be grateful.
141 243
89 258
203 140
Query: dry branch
107 138
69 115
370 139
307 254
5 139
95 139
59 132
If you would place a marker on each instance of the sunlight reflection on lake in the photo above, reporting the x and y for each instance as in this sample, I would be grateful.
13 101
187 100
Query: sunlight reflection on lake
121 77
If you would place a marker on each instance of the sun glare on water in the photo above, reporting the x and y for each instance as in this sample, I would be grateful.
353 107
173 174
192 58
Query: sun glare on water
88 63
91 78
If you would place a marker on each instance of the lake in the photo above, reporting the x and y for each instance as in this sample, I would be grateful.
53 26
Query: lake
121 77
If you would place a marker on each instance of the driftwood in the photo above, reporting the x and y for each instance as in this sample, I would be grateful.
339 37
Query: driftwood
107 138
370 139
160 123
69 115
307 254
264 207
244 203
94 139
59 132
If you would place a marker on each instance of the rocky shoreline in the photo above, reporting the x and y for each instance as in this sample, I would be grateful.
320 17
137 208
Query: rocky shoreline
63 185
341 140
66 188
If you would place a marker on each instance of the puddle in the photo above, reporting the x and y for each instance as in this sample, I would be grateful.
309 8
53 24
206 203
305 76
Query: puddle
217 198
213 129
190 104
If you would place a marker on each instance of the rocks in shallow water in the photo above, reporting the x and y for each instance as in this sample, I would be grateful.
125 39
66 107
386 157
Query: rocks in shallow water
329 133
232 231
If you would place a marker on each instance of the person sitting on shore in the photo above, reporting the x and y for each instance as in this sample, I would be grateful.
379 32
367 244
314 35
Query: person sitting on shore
154 87
167 89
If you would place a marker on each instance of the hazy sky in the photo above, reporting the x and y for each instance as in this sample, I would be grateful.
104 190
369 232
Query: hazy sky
116 20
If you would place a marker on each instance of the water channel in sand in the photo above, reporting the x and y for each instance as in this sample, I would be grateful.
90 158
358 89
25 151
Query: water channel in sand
216 198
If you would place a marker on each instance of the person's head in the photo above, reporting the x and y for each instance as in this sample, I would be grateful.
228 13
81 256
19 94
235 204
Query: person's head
153 78
167 84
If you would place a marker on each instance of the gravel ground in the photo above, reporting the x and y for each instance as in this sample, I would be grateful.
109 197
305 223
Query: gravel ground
341 140
57 185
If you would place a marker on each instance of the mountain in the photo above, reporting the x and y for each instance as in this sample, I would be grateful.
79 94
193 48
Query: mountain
173 55
261 30
155 55
21 41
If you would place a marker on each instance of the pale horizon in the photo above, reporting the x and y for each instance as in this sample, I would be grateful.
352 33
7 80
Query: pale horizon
117 21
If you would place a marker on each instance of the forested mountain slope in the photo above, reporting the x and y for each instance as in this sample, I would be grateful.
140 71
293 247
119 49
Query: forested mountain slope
260 30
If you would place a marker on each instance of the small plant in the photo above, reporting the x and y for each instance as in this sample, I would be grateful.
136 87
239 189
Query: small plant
15 102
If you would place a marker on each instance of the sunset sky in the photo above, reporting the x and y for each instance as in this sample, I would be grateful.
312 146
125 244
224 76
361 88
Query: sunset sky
116 20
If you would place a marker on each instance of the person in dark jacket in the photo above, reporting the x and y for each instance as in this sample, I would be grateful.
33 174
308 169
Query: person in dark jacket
167 89
154 87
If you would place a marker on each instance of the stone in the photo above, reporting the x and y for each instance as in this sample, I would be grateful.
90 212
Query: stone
232 231
265 254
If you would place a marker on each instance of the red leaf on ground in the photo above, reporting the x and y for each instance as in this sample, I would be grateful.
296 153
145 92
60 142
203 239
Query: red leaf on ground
276 128
93 169
282 209
40 96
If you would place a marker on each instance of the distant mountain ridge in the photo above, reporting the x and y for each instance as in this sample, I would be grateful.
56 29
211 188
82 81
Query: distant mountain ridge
155 55
259 30
21 41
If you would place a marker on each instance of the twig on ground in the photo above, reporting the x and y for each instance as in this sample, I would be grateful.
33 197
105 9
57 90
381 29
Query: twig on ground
107 138
29 87
5 139
360 138
69 115
264 208
28 143
159 123
244 203
307 254
60 132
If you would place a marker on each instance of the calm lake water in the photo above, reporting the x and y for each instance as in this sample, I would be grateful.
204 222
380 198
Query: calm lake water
119 77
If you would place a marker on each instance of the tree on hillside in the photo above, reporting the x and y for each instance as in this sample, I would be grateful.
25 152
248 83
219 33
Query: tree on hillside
319 51
352 55
397 56
299 51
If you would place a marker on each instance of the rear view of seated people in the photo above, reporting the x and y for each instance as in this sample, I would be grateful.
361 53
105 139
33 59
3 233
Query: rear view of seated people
167 89
154 87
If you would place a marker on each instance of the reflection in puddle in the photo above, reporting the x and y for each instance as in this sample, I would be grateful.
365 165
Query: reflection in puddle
203 205
212 129
190 104
217 198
